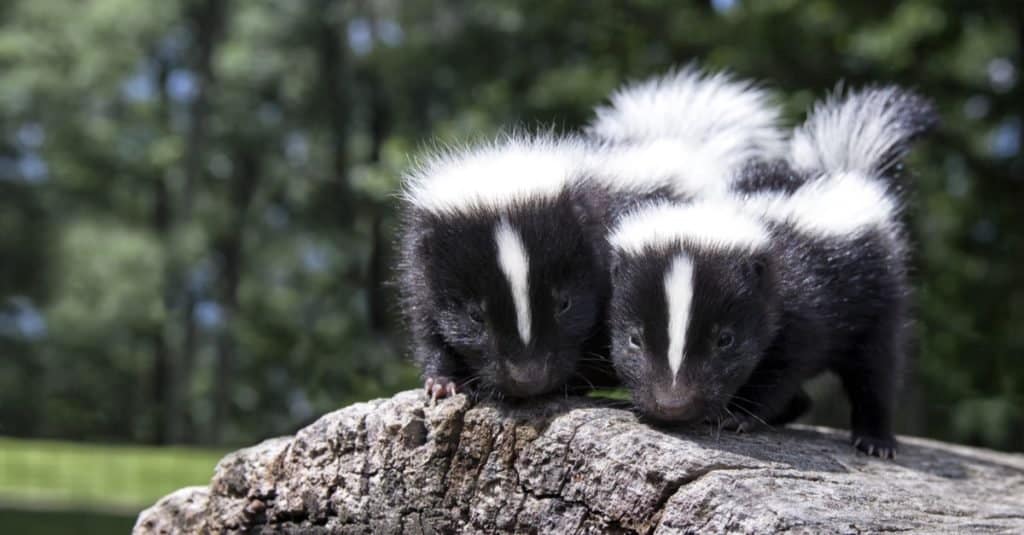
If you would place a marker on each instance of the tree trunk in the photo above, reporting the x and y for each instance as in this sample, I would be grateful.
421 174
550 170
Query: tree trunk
230 248
376 268
206 18
164 387
207 21
577 466
163 377
332 54
376 276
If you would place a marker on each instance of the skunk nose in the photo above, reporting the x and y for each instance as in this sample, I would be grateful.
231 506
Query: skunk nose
523 372
525 378
678 407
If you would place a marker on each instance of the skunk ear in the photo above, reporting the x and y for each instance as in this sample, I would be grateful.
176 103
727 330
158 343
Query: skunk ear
758 269
585 208
615 265
424 242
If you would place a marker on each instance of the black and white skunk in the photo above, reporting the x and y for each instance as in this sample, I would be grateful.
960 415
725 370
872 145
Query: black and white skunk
503 271
721 308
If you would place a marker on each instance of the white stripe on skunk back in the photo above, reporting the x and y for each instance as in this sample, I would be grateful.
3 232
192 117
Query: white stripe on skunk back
731 119
495 175
708 224
647 166
835 205
865 131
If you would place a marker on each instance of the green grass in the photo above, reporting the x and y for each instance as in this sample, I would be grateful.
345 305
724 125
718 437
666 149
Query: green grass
619 394
66 475
64 522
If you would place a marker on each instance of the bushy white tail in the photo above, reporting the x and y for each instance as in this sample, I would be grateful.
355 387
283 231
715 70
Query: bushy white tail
865 131
729 118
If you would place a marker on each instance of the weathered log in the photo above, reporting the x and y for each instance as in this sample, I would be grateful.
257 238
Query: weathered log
578 466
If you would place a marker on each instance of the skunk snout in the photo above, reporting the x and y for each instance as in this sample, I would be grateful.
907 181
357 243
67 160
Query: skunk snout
677 406
525 378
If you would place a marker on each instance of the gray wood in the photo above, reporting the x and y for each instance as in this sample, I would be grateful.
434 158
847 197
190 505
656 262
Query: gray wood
578 466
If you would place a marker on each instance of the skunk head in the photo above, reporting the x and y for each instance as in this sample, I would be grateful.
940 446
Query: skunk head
512 263
694 306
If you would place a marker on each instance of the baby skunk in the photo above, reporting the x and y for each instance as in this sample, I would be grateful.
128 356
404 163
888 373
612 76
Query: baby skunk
503 271
682 135
723 307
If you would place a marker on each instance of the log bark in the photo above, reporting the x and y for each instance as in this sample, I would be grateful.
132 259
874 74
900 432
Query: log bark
578 465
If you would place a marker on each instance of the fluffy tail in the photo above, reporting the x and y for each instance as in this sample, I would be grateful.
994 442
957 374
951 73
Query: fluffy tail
730 118
866 131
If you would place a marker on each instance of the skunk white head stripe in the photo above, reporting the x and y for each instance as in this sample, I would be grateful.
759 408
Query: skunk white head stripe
515 264
678 296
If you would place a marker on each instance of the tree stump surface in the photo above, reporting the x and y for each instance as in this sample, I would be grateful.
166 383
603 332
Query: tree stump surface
578 465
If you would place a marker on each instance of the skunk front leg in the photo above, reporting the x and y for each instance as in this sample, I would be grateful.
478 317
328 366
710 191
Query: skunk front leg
439 365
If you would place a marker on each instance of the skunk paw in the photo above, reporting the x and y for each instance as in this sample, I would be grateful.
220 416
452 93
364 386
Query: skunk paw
439 387
881 447
741 423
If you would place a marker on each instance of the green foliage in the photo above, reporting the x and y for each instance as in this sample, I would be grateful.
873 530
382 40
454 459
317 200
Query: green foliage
197 196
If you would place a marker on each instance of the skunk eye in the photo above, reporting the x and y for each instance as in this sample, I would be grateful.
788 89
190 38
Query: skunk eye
564 304
634 340
476 314
725 339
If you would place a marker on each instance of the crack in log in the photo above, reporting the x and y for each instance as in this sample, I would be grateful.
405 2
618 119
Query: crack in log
1003 516
567 471
458 423
591 514
362 438
673 486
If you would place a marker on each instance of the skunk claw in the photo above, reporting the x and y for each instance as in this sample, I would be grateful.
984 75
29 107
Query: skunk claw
439 387
881 447
738 424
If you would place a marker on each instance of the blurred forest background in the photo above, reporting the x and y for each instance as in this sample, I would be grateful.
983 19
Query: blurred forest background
196 196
